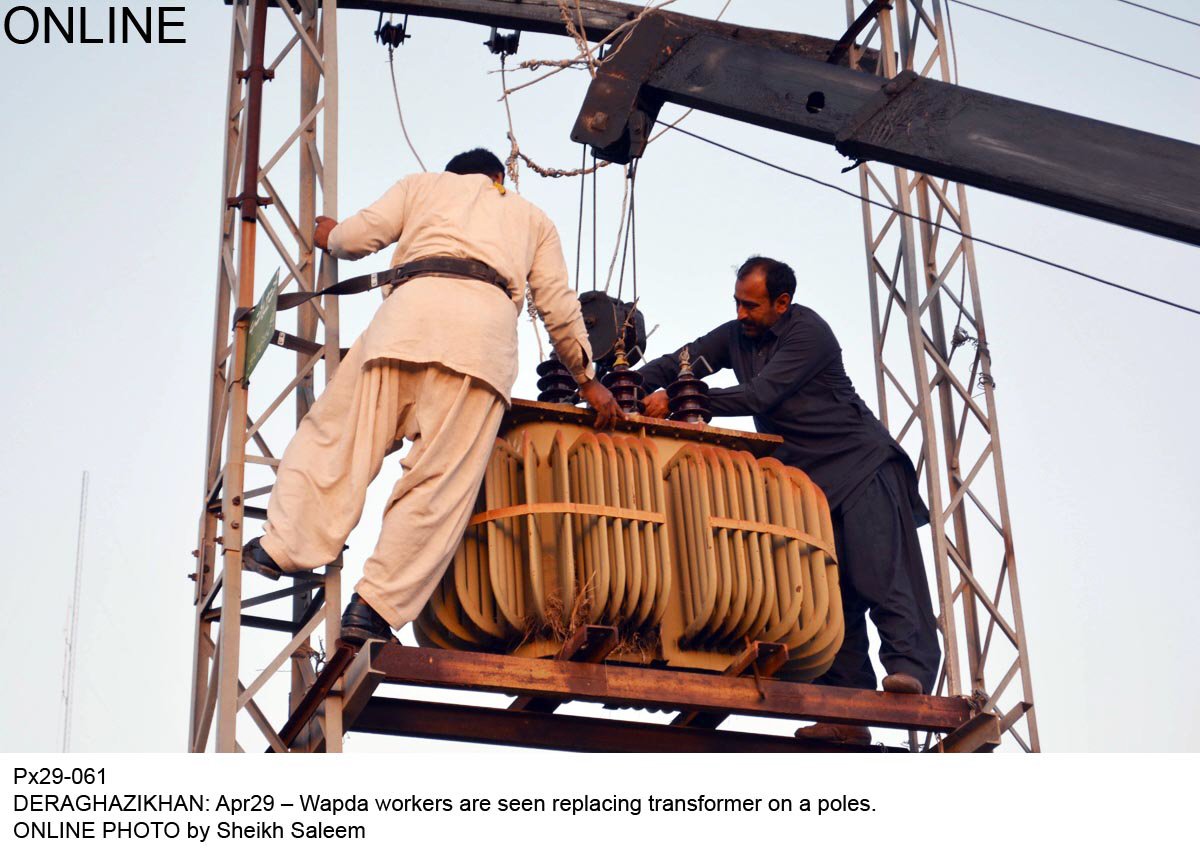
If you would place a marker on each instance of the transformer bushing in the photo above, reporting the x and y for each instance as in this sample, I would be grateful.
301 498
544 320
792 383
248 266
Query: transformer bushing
556 384
625 384
687 396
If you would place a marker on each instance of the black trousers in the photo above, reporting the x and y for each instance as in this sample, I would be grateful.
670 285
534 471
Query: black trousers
882 572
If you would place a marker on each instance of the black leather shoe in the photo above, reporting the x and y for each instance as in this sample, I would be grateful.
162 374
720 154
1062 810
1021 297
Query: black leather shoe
902 682
360 623
256 559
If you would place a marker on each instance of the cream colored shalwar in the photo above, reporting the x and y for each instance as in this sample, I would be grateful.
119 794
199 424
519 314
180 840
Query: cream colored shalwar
435 366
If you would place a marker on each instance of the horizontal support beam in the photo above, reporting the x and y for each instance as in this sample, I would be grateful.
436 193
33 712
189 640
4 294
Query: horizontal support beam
1117 174
471 724
663 689
599 19
589 644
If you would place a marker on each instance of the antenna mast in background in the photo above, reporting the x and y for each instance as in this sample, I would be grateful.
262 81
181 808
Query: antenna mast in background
73 631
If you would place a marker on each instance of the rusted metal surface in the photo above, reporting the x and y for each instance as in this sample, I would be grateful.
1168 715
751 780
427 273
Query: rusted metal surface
979 734
308 705
589 644
761 660
412 718
664 689
524 412
222 598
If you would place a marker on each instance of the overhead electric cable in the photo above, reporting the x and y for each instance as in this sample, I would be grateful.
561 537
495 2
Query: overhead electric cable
1077 39
1160 12
916 218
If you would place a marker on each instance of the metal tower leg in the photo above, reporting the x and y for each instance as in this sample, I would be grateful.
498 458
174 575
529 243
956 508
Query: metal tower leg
235 473
912 267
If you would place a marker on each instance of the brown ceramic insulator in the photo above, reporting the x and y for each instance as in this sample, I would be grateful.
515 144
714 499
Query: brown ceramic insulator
626 387
688 401
687 396
556 385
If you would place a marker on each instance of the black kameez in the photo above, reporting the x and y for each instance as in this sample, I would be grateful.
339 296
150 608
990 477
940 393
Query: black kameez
791 380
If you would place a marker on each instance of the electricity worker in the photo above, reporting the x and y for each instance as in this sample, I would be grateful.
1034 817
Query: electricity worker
435 367
791 380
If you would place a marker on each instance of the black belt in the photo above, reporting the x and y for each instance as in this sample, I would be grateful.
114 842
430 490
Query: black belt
438 265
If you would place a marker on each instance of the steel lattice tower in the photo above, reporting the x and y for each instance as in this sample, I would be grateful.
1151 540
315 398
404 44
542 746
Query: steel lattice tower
934 379
943 408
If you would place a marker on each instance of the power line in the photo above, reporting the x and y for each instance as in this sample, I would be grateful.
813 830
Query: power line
1077 39
912 216
1160 12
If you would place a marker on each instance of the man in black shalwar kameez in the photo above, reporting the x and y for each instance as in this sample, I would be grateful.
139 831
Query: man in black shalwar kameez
791 380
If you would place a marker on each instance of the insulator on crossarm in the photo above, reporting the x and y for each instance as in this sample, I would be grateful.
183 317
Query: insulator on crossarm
687 396
556 384
625 383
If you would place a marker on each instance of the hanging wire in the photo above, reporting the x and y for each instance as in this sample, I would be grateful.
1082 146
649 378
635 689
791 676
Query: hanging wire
917 218
629 223
612 265
579 230
396 94
1077 39
595 278
633 228
1160 12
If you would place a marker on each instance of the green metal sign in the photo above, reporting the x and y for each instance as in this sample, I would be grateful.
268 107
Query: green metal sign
262 326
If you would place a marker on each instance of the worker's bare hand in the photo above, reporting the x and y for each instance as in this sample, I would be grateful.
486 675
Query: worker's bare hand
656 405
325 225
601 399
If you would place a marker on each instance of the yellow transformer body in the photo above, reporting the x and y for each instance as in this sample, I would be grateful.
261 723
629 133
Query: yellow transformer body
678 535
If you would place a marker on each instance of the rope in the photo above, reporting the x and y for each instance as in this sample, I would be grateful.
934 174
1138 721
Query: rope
917 218
608 38
400 112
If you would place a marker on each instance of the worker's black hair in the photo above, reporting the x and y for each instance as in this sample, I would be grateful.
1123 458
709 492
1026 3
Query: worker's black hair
780 277
477 161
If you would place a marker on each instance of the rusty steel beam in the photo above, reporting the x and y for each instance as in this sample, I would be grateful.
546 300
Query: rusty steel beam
589 644
335 667
471 724
664 689
761 659
981 733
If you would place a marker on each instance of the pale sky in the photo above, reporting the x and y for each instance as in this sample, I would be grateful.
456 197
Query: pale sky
112 192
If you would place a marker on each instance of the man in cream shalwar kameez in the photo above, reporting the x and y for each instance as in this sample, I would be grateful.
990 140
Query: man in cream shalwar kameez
435 367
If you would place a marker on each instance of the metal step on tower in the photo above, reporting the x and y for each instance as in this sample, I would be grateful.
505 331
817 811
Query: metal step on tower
935 390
